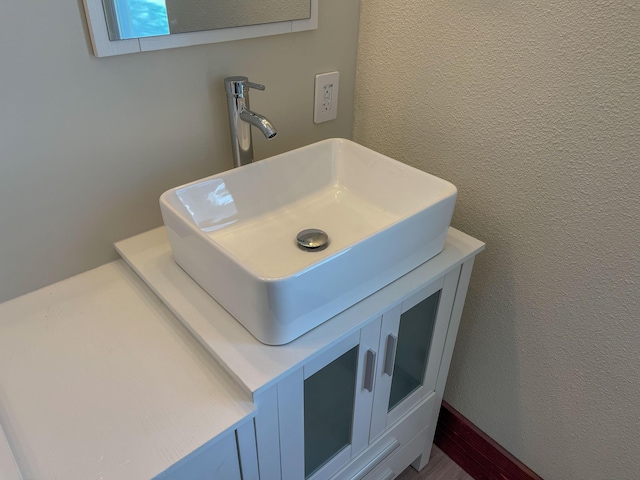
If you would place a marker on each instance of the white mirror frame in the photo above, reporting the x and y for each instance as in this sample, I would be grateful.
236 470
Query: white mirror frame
103 47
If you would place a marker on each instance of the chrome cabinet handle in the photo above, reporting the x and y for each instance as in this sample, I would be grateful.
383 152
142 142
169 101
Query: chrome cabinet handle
369 370
390 354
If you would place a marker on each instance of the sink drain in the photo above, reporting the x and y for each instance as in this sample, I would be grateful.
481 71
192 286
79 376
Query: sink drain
312 240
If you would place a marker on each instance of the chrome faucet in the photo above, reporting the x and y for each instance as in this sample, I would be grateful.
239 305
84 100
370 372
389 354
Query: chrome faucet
241 119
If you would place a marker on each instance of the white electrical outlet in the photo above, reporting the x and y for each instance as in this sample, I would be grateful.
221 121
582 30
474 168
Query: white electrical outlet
326 104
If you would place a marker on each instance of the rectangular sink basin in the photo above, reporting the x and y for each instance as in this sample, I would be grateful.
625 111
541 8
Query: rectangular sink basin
235 233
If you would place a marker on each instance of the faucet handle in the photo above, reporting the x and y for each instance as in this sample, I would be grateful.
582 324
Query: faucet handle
236 86
257 86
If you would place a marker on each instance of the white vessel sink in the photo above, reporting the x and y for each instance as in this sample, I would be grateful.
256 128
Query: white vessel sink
235 233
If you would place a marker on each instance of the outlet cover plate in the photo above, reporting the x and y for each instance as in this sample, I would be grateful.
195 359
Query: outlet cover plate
326 97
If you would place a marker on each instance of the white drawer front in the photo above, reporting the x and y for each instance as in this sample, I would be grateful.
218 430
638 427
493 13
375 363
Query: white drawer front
391 442
397 462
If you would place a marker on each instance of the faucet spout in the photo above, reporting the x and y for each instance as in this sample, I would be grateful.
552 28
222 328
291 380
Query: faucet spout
260 122
241 119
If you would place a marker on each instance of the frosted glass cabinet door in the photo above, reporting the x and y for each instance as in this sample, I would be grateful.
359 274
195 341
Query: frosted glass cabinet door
411 343
412 348
329 396
328 407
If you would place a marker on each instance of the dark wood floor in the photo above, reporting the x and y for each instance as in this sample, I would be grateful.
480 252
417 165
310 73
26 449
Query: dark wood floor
440 467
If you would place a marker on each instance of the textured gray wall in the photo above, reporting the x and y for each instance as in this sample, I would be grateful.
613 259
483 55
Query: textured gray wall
87 145
533 110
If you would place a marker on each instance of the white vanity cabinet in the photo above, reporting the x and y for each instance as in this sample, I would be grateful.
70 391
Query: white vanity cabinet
356 398
376 383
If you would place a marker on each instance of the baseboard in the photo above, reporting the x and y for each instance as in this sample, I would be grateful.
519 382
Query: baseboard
472 449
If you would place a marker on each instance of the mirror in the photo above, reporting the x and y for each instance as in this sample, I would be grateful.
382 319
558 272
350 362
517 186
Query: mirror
129 19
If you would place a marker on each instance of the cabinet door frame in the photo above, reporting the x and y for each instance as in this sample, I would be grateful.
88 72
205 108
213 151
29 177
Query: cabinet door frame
291 404
382 418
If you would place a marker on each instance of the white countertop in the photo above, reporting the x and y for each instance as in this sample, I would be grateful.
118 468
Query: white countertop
98 381
253 364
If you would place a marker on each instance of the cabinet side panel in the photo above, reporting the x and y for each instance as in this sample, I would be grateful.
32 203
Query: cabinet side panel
268 433
291 423
246 439
454 325
442 328
447 354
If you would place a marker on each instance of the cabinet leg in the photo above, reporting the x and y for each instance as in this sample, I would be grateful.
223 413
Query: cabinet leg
421 462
